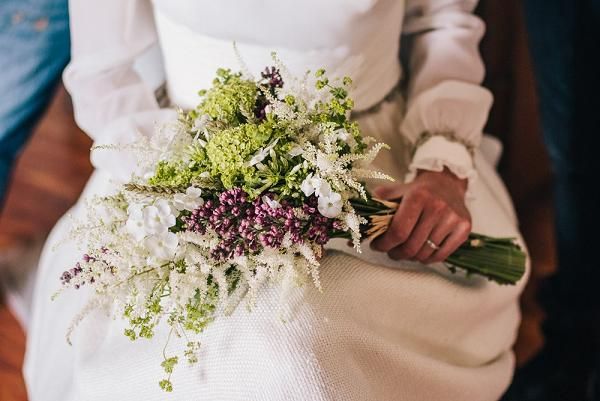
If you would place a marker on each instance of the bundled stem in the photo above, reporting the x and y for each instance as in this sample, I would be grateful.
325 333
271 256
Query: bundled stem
498 259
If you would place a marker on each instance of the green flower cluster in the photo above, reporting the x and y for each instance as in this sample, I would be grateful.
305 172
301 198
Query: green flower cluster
231 99
172 174
229 150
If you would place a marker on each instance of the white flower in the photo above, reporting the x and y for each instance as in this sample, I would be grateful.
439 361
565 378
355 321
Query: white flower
322 188
135 210
346 137
330 205
307 185
149 220
295 169
261 154
296 151
316 185
162 246
200 123
200 128
273 204
189 201
342 135
352 221
107 215
135 223
158 218
323 162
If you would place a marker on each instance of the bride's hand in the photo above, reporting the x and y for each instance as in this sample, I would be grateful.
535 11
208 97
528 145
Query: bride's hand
432 208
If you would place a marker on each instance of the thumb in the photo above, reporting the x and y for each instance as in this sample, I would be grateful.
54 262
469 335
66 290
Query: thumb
390 192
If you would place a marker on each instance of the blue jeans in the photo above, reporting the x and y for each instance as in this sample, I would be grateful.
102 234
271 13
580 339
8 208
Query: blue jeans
34 49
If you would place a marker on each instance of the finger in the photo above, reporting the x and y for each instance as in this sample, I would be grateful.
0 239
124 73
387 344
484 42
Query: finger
459 235
390 192
402 225
429 218
438 235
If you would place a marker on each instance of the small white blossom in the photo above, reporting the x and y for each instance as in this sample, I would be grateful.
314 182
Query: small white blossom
108 215
322 188
135 223
158 218
307 185
323 162
149 220
273 204
200 129
296 151
261 154
200 123
295 169
316 185
162 246
330 205
191 200
342 135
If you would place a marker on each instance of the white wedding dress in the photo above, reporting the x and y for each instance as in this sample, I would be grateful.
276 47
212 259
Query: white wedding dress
381 330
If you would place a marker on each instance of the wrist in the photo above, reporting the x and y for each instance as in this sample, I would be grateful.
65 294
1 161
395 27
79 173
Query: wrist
444 177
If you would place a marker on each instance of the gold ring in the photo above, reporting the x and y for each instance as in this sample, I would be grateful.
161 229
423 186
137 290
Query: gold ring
432 245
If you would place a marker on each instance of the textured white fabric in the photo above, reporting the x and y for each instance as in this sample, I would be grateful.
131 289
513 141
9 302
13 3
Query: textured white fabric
381 330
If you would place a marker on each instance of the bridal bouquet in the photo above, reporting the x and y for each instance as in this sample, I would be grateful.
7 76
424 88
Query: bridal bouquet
242 192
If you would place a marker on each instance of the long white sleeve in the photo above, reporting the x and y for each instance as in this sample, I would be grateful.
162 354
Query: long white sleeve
112 103
447 108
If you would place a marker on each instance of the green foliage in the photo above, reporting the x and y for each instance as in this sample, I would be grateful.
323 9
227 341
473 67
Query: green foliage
339 105
169 363
191 352
199 311
166 385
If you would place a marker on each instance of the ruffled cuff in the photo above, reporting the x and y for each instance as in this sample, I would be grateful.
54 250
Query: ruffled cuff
438 152
444 124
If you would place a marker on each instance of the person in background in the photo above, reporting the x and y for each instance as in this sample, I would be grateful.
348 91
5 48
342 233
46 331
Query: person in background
564 37
34 49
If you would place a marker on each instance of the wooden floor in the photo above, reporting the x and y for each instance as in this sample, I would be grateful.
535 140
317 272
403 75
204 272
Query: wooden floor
48 179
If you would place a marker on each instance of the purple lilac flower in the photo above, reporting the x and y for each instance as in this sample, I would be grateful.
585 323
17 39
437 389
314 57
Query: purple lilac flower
68 275
272 80
273 77
245 227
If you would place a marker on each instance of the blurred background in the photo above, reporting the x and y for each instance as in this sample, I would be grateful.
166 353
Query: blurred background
52 170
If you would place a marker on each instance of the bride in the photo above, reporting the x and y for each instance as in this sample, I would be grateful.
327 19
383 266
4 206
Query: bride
391 323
